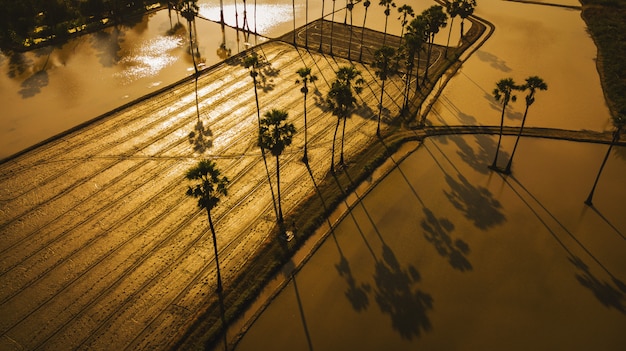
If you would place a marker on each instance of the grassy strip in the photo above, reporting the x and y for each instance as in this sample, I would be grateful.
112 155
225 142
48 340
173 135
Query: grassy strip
606 21
308 216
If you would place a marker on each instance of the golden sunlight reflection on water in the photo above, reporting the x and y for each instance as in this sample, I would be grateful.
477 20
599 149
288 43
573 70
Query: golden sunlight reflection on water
149 59
267 16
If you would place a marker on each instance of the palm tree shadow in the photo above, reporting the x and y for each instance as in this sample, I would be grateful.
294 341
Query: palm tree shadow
493 60
18 64
610 295
397 294
477 203
357 294
437 232
200 138
477 159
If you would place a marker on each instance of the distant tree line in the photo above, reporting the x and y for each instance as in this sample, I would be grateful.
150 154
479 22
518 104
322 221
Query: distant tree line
27 22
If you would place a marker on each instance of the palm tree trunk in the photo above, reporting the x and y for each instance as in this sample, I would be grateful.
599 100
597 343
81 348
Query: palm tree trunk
380 107
267 170
428 53
407 87
197 105
217 262
193 58
362 35
305 158
589 200
507 170
385 32
343 137
494 165
280 210
449 34
332 157
350 40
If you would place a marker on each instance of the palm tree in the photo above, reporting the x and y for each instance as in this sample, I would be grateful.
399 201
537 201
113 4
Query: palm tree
350 7
465 10
341 100
384 67
208 191
619 122
305 78
275 135
503 93
388 4
189 10
435 19
413 41
405 11
419 28
533 84
452 8
367 4
222 12
306 24
252 63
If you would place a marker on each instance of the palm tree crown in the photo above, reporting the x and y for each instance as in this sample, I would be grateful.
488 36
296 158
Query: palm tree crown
211 185
274 135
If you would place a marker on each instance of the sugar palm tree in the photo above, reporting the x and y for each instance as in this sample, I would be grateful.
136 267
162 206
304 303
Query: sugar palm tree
533 84
419 28
210 187
305 78
367 4
275 134
619 123
413 41
435 19
387 4
252 63
350 7
341 100
384 67
503 93
452 8
465 10
405 12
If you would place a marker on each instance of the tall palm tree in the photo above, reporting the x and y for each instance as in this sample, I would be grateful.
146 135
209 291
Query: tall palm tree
252 63
436 19
189 10
452 8
465 10
222 12
208 191
405 12
305 78
384 67
341 100
533 84
419 28
275 135
619 123
350 7
413 41
367 4
503 93
387 4
306 24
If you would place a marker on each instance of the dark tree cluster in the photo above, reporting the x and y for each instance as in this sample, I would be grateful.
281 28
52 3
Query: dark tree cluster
25 23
